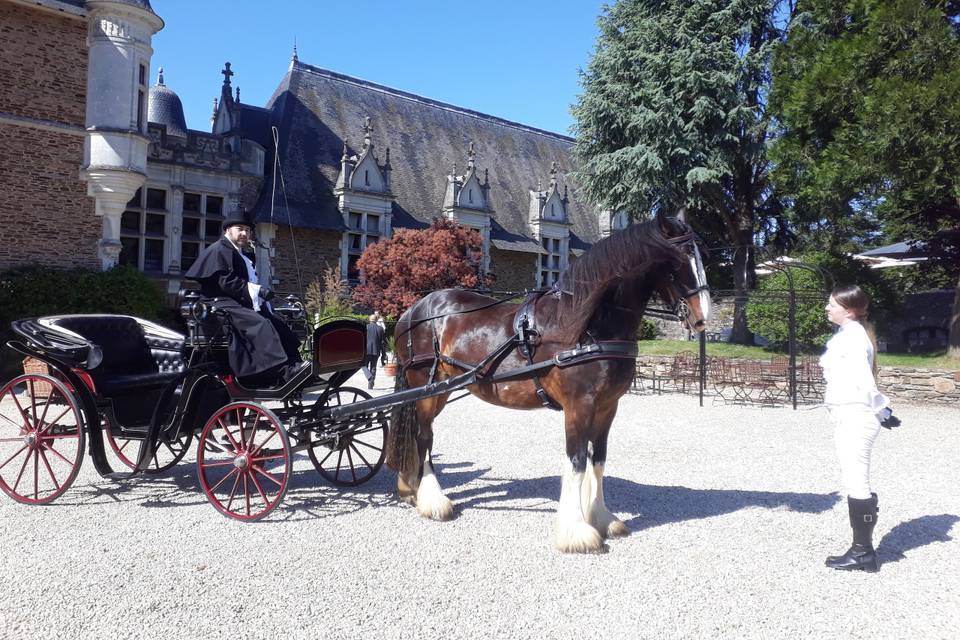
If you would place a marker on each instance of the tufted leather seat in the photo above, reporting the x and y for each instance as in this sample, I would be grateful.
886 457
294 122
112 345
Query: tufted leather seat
130 360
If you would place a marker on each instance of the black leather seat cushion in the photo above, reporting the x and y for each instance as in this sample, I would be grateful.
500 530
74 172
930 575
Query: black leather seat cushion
127 360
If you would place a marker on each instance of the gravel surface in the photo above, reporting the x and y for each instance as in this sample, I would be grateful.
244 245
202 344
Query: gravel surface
732 511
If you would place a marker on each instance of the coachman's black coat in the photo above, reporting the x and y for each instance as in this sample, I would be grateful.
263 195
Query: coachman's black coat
259 341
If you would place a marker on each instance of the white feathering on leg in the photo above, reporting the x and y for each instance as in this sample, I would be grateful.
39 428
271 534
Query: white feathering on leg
574 534
599 516
431 503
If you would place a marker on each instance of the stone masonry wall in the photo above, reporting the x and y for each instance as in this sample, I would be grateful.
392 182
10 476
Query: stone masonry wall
315 249
515 270
47 216
44 62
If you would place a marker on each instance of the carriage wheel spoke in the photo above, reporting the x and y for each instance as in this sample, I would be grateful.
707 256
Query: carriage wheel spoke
61 436
46 405
226 463
26 459
54 421
223 479
233 491
23 414
58 454
253 429
277 456
366 444
353 471
170 449
10 459
263 496
268 476
259 448
49 470
36 473
360 455
236 447
330 453
246 492
339 463
33 401
18 426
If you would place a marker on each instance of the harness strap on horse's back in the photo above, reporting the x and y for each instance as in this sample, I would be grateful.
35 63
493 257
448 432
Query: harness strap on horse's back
528 338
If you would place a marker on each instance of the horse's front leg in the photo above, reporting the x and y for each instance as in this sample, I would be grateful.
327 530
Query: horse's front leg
574 533
431 502
593 503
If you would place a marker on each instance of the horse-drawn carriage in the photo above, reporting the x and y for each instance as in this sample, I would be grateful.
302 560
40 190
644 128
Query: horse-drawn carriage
148 392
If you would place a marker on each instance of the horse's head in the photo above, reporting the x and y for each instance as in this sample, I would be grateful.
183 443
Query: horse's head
685 285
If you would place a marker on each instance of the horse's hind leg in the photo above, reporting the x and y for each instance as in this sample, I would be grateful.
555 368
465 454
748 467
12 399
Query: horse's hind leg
430 500
593 503
574 533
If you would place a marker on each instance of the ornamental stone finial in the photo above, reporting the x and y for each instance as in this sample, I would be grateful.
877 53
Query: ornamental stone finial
226 73
160 77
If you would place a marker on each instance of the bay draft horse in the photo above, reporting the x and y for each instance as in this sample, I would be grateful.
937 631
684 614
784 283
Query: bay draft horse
609 288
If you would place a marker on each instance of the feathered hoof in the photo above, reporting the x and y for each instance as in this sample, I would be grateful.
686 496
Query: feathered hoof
436 507
617 529
579 537
405 492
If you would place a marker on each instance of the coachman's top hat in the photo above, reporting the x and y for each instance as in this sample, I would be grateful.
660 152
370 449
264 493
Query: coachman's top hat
237 216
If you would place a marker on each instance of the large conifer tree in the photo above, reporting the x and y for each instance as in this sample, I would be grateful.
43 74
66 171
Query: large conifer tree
868 92
672 114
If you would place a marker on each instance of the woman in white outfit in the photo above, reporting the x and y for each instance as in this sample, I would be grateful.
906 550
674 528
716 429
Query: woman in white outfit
854 403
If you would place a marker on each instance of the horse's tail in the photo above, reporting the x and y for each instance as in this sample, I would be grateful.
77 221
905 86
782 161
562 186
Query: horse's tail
402 454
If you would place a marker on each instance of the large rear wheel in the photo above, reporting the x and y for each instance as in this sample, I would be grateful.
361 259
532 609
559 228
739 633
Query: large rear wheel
243 461
41 438
355 452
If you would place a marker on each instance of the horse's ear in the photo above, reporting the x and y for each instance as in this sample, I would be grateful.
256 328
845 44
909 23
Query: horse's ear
663 223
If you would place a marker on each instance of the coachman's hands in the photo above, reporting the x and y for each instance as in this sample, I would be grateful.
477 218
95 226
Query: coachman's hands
266 294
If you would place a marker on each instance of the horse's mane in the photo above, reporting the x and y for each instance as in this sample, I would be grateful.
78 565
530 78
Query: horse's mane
619 258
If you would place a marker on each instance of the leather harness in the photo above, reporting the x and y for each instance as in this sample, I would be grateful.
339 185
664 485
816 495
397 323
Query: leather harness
528 339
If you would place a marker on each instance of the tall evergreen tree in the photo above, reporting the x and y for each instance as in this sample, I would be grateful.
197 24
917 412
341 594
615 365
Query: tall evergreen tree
868 94
672 115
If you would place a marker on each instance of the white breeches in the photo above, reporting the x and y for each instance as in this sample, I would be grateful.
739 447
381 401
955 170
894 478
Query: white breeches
855 430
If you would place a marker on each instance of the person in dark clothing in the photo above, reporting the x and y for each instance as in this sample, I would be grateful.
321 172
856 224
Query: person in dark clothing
375 336
262 349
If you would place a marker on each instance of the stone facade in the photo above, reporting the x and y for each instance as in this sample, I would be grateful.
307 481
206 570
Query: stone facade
515 270
46 214
315 249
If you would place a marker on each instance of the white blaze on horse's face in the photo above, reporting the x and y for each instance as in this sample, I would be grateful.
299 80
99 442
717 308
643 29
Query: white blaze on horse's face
696 263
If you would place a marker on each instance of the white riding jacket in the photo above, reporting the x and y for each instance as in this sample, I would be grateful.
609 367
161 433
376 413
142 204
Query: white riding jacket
848 369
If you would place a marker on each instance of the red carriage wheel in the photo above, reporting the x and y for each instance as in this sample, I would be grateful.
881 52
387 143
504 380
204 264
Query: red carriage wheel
41 438
354 456
127 450
243 461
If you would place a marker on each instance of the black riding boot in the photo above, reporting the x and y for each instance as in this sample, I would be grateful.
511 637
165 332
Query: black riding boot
861 555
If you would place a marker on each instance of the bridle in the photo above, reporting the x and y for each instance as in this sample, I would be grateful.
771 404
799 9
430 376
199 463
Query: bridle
688 245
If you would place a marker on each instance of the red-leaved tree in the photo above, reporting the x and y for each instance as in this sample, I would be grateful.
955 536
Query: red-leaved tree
399 271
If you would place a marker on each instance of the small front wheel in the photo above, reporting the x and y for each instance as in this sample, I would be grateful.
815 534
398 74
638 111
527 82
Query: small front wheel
243 461
41 438
356 452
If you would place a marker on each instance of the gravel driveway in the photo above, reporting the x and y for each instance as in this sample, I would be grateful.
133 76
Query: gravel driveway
732 511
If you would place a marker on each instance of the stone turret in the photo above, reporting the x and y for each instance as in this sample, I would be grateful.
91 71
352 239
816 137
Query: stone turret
115 150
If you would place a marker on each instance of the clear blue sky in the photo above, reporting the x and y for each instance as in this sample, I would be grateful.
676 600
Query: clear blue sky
517 60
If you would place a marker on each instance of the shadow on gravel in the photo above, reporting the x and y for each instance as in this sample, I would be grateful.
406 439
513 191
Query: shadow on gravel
915 533
654 505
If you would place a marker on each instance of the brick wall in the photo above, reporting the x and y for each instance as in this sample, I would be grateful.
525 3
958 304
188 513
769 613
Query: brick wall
315 249
44 62
515 270
45 212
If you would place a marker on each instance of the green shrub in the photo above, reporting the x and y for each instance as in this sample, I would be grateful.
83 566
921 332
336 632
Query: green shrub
39 291
648 330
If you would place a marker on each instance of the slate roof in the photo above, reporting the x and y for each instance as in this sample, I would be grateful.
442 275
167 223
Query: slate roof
316 109
902 250
166 109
